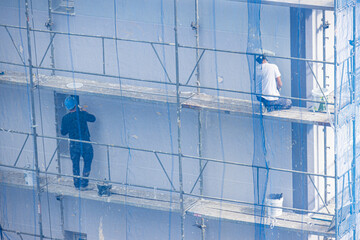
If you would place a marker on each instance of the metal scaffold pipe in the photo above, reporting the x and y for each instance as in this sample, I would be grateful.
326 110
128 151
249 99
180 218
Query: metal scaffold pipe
199 113
178 111
336 117
324 27
354 180
49 24
33 122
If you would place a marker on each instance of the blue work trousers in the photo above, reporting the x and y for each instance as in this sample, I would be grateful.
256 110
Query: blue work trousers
86 151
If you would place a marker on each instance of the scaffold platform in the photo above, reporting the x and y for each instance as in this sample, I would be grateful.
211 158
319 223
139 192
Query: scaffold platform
189 100
166 201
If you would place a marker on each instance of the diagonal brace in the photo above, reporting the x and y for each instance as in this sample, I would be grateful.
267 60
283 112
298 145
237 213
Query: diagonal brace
162 65
47 49
52 157
197 63
22 148
162 166
317 190
197 180
17 50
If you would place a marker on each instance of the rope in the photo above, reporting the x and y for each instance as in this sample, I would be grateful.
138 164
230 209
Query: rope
168 116
77 112
219 117
124 118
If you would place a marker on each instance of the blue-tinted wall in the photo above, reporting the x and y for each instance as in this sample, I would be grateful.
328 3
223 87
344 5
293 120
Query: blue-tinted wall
223 25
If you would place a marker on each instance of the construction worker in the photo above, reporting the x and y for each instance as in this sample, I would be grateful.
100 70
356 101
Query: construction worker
74 123
269 83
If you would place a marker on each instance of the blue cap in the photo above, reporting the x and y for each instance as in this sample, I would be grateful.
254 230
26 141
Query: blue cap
70 102
260 59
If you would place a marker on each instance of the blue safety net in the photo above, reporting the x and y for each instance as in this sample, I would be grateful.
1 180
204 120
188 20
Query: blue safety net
167 119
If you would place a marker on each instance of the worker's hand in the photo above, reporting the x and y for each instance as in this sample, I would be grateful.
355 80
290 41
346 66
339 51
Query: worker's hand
83 108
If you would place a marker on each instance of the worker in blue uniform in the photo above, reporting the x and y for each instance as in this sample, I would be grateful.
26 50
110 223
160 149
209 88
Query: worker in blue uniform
75 124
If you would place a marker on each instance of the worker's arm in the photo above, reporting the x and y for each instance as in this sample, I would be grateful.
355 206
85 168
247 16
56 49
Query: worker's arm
278 83
89 117
278 78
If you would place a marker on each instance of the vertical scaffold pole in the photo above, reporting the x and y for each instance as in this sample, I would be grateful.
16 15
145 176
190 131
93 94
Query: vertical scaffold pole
178 111
353 165
324 24
335 124
49 26
33 122
198 83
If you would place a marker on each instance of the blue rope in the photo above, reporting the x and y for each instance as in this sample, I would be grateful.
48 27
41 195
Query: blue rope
259 144
124 120
219 116
169 117
5 236
75 93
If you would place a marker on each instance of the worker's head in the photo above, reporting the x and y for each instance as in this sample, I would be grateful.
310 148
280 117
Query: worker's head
70 103
260 59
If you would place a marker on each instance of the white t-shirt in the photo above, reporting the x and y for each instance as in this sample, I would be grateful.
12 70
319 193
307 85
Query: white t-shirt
266 75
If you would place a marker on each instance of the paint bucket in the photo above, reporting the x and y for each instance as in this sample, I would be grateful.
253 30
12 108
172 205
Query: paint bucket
274 200
320 95
104 189
29 176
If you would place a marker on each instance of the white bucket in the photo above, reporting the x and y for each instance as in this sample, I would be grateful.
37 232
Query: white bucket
274 200
320 95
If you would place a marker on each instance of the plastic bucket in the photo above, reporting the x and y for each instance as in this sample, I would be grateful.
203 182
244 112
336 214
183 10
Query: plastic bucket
274 200
320 95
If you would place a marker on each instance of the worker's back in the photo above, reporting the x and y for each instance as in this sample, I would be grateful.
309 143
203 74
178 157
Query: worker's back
75 124
266 74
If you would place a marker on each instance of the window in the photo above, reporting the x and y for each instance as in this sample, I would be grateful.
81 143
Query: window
63 6
69 235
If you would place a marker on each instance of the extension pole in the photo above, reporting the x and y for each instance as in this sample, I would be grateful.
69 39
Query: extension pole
198 83
33 122
49 26
178 111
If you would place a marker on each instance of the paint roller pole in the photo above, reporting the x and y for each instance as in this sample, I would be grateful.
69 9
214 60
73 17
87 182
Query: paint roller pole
33 122
178 110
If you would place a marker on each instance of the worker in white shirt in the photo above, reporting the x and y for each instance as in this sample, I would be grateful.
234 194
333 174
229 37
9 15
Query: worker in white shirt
268 84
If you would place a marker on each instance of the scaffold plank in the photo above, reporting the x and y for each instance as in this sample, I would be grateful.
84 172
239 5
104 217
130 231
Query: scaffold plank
249 108
312 4
289 221
155 199
188 99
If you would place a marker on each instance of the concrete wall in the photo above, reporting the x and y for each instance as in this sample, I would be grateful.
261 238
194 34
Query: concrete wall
148 125
113 221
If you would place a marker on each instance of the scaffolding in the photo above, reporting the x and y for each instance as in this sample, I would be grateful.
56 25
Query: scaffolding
336 218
